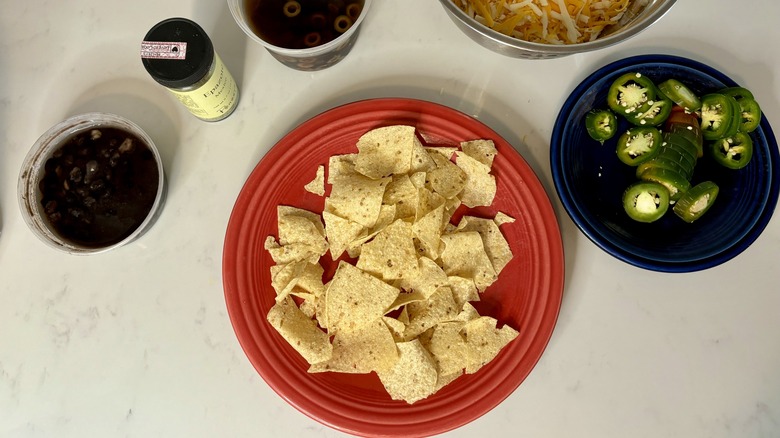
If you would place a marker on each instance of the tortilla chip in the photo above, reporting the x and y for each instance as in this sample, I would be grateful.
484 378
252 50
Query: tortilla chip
496 246
447 179
480 188
285 277
391 255
421 160
450 207
464 256
427 230
387 214
396 327
427 201
463 289
361 350
291 252
355 298
357 198
446 379
502 218
405 298
483 151
300 331
310 280
467 313
414 375
308 308
428 279
317 185
447 151
423 315
340 166
448 347
403 194
485 341
385 151
340 233
297 225
321 308
418 179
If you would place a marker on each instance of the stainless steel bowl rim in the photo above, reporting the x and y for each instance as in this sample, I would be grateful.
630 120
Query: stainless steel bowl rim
557 49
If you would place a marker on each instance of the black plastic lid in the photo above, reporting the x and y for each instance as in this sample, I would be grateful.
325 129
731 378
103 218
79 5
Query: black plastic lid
180 73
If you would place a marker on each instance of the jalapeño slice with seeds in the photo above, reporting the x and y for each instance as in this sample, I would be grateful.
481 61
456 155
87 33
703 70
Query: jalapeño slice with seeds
638 145
646 201
630 93
601 124
733 152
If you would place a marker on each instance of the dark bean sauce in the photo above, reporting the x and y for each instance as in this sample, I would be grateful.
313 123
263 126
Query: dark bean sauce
303 23
99 186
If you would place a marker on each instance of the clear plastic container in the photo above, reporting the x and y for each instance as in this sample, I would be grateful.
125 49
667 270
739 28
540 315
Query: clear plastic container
33 171
307 59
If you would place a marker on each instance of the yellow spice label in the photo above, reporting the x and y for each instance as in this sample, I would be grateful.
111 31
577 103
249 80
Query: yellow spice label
213 100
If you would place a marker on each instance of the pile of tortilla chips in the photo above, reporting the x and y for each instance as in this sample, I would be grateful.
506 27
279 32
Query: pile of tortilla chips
401 306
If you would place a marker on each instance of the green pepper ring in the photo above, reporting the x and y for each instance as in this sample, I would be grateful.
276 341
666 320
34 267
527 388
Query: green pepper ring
696 201
625 85
733 152
717 117
750 114
601 124
649 147
652 114
680 94
646 201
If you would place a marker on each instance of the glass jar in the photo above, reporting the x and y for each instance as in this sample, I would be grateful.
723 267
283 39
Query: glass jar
179 55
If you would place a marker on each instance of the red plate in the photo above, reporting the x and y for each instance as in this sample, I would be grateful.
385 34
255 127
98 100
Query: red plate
527 294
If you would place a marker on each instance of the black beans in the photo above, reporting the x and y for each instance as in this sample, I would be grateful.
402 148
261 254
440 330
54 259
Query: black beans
99 186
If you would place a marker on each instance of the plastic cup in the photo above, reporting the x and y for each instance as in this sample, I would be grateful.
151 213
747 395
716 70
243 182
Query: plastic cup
306 59
33 171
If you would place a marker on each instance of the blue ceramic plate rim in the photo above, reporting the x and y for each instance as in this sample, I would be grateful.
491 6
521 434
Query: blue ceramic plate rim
593 229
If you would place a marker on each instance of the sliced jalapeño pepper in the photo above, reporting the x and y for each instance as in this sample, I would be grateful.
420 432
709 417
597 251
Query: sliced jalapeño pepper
686 124
665 161
638 144
696 201
718 116
733 152
630 92
646 201
675 182
751 114
653 113
737 92
601 124
680 94
681 144
750 111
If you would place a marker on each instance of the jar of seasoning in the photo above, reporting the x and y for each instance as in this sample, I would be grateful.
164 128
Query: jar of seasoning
179 55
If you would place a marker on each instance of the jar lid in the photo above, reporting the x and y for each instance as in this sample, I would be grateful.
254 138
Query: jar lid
183 69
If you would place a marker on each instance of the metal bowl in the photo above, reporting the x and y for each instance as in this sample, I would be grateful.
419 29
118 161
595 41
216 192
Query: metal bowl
640 15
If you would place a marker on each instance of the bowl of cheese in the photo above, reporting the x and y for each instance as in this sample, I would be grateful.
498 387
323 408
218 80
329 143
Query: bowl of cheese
540 29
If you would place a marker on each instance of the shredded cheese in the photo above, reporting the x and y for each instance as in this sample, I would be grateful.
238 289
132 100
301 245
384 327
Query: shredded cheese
547 21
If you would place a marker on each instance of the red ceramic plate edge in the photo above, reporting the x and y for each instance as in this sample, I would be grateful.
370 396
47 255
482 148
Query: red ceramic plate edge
447 409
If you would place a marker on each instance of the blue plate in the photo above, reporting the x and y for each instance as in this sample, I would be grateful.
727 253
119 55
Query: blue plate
590 179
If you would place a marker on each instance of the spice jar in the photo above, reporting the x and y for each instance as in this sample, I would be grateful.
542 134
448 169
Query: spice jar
179 55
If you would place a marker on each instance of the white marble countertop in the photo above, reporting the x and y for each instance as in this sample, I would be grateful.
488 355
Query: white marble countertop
137 342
